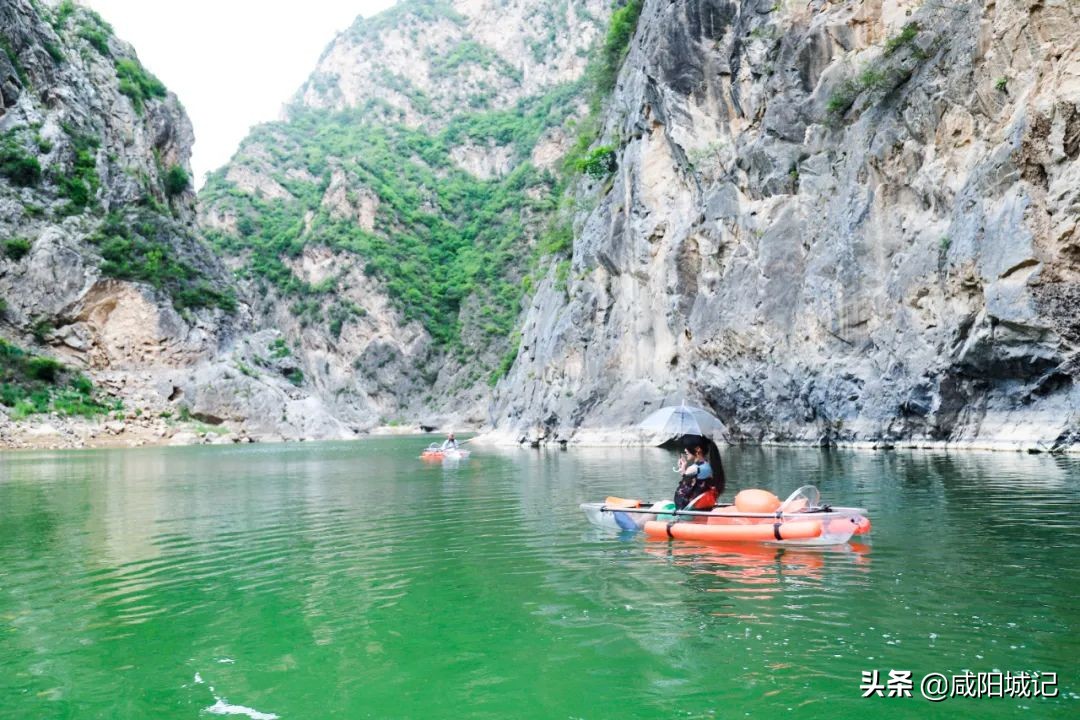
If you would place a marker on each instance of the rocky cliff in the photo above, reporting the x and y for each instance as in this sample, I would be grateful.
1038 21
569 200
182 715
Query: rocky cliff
102 266
845 222
829 222
389 223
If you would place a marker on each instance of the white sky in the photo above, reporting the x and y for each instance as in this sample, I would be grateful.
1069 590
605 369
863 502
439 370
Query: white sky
232 63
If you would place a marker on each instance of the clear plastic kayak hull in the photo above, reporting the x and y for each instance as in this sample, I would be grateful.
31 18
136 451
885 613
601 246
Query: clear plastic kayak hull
616 519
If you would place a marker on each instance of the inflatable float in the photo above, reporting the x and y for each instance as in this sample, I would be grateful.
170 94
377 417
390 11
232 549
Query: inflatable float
755 516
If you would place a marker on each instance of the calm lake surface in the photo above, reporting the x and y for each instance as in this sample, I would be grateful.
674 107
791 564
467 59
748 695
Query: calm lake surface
351 580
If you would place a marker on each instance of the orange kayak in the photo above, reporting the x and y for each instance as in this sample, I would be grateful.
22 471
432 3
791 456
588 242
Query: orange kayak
713 532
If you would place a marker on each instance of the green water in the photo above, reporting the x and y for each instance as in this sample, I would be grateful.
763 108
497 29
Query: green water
350 580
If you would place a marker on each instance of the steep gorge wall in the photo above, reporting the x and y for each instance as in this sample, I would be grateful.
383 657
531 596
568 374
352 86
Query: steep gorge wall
86 151
386 224
101 263
830 222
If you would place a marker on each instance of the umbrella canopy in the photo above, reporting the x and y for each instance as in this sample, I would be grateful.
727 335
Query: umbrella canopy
676 420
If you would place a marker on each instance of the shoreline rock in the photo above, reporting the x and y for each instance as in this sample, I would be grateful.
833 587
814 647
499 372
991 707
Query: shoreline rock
54 433
627 437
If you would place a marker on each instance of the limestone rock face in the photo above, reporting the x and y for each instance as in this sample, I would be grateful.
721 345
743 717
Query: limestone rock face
830 222
442 94
430 63
484 162
103 147
101 263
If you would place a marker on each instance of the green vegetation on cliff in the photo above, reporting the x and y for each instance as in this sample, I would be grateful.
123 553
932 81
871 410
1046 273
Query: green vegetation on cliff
31 384
140 247
16 164
612 52
598 162
16 248
138 83
176 181
883 76
440 233
81 183
13 58
600 77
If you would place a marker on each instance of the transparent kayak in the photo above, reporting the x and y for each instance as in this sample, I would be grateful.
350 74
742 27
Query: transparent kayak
435 452
800 520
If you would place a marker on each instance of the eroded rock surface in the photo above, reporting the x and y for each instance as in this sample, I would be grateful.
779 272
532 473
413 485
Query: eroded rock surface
101 263
831 222
453 90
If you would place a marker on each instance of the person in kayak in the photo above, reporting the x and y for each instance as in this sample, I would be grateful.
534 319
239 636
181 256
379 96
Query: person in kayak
700 479
450 443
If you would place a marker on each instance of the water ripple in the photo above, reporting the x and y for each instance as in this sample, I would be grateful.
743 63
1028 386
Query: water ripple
332 581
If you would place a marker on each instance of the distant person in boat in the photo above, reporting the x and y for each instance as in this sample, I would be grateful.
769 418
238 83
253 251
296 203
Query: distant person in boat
699 478
450 443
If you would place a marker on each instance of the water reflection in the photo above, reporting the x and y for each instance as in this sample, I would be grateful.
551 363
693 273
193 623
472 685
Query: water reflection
730 567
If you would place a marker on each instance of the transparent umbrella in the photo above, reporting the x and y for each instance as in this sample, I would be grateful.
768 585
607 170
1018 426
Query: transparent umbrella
676 420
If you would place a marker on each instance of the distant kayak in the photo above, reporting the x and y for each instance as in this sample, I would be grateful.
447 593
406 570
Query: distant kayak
756 516
435 452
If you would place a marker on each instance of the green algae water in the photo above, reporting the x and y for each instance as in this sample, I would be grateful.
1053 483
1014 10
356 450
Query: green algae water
351 580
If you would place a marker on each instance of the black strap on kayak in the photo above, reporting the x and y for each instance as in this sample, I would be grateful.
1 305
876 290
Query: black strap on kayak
776 531
670 536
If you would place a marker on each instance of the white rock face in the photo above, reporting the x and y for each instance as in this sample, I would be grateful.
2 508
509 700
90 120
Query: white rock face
253 181
484 161
346 200
825 231
398 58
121 326
550 149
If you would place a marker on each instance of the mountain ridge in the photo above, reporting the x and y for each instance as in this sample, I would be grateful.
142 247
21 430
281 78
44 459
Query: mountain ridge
420 163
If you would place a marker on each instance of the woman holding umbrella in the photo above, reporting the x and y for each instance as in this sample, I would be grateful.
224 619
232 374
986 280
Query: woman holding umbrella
702 481
703 473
